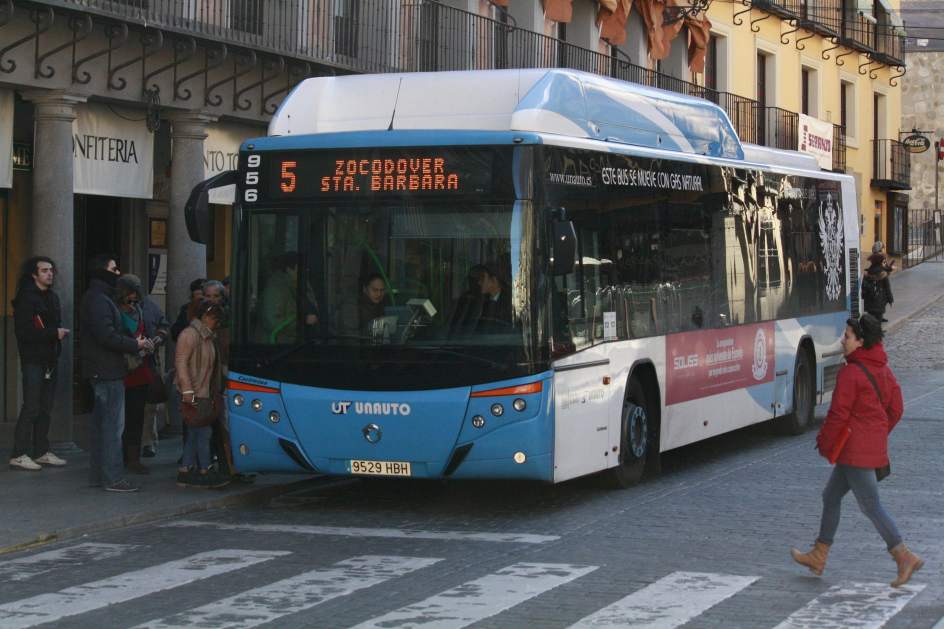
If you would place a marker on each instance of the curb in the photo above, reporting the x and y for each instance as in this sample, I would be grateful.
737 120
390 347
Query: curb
897 323
248 497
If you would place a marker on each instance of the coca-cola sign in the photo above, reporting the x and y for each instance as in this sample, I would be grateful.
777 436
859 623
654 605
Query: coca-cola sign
916 143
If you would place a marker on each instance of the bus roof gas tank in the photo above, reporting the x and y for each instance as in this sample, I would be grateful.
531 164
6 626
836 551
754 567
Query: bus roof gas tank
553 101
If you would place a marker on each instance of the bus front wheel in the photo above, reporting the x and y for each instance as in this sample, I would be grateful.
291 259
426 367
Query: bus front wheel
801 418
636 440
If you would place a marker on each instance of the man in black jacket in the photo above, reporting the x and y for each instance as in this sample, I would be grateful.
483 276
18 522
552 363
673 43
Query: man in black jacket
37 320
104 344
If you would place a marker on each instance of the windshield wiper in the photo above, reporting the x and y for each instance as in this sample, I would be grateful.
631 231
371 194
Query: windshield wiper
315 341
467 355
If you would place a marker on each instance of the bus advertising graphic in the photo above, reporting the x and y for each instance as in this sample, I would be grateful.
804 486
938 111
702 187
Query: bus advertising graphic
708 362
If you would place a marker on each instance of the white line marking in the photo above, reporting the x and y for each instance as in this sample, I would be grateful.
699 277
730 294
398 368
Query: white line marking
125 587
859 605
343 531
939 625
670 602
482 598
290 596
26 568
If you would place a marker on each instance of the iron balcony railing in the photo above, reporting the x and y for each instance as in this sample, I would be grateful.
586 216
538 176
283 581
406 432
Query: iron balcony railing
421 35
891 165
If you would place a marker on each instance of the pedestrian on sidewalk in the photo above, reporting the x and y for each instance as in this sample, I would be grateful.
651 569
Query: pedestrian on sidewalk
104 347
200 381
158 330
866 406
38 327
876 287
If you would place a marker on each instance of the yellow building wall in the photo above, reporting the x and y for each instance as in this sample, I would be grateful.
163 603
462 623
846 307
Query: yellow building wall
741 71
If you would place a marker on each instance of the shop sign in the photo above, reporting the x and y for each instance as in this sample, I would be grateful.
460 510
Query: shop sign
22 156
6 139
816 139
221 153
113 154
916 143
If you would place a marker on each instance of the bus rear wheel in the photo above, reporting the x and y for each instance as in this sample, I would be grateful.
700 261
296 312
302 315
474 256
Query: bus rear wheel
636 440
801 418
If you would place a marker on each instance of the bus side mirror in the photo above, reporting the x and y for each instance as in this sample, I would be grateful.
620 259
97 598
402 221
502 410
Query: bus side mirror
563 247
197 211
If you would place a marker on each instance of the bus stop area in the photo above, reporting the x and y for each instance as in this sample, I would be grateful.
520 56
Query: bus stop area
57 503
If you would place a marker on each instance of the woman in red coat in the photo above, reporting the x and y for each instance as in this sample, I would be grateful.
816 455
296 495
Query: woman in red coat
855 437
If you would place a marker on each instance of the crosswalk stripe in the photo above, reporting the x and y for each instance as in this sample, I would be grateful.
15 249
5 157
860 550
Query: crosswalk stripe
860 605
26 568
295 594
343 531
87 597
482 598
670 602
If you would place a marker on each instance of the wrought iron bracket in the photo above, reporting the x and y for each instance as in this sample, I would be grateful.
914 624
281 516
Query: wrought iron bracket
81 27
840 61
799 40
785 37
42 20
212 58
151 43
835 44
184 50
866 68
754 27
117 35
736 19
273 64
243 59
296 74
902 70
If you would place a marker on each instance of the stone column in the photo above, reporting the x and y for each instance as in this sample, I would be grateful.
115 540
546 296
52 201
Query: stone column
52 230
186 260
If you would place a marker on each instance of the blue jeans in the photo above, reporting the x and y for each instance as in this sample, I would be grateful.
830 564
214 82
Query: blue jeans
108 422
864 486
32 427
197 448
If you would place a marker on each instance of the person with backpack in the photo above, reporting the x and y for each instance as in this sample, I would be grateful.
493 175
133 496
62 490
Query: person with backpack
876 288
866 406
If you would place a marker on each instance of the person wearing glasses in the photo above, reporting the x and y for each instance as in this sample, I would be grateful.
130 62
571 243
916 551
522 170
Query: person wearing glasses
141 372
104 346
866 405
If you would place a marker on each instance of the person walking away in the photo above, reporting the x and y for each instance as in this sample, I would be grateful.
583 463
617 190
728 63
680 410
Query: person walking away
140 374
876 287
200 381
37 325
866 406
103 350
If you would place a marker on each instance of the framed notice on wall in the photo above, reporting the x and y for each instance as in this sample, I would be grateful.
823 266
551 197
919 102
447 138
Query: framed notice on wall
157 233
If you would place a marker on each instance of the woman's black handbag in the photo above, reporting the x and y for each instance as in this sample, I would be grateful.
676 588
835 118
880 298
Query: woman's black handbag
882 472
203 412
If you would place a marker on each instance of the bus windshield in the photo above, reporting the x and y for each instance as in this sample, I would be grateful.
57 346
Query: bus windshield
387 295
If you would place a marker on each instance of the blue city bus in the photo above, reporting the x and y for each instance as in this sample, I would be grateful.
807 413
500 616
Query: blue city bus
522 274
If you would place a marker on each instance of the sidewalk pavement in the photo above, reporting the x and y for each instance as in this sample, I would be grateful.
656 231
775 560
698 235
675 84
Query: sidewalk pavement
55 504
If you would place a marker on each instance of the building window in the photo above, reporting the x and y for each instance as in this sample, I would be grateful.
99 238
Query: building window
847 108
345 27
247 16
711 63
809 91
878 116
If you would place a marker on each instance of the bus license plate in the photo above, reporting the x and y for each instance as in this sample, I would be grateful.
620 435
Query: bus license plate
381 468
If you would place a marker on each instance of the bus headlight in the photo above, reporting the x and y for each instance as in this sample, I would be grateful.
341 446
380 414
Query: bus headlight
238 400
519 404
274 417
498 410
478 421
256 405
520 457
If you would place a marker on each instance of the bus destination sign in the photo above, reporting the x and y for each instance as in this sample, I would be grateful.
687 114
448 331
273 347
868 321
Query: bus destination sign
359 173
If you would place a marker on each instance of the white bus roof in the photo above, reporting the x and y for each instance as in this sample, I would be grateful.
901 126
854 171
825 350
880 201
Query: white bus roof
554 101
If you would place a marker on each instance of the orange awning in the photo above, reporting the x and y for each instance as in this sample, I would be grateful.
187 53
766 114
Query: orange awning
558 10
612 18
699 31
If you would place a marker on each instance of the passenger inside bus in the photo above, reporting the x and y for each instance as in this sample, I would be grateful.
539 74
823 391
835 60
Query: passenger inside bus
468 308
278 309
496 309
370 305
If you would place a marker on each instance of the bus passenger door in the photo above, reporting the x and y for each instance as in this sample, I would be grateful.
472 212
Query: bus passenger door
582 416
